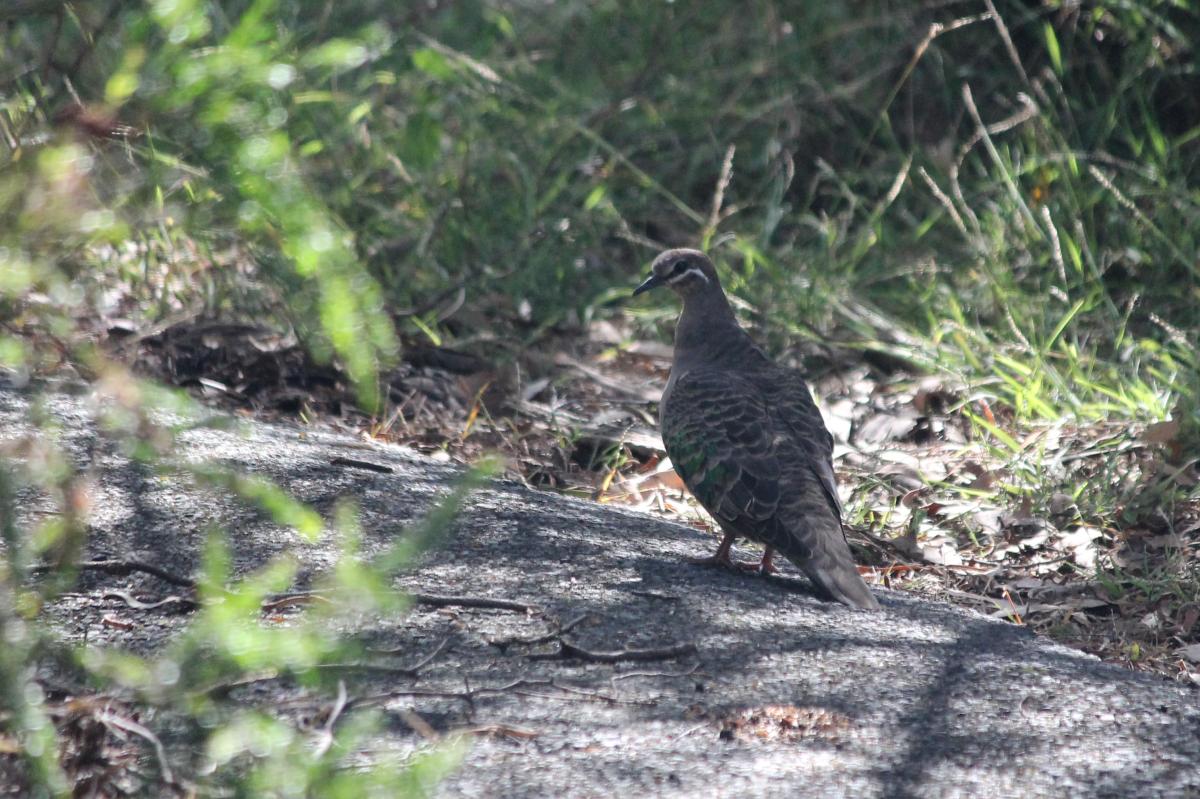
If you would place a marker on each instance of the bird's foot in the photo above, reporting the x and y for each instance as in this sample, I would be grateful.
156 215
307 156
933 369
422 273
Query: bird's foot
713 560
753 566
767 565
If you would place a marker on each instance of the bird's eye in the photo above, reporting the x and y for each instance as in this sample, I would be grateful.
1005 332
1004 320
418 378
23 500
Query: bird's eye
679 267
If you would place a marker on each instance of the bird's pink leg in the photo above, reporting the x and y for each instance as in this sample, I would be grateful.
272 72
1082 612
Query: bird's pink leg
721 557
766 566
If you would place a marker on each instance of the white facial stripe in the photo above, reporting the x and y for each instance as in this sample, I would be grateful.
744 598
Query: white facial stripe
691 271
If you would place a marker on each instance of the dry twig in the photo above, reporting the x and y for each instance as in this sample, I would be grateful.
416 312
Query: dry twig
518 686
569 650
413 671
504 643
325 739
111 719
120 568
130 600
436 601
357 464
655 674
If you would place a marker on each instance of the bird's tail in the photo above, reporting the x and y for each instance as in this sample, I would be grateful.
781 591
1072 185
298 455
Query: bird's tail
842 582
831 567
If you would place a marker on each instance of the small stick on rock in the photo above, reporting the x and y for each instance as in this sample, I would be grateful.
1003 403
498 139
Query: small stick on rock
325 736
120 568
504 643
474 602
569 650
413 671
519 687
357 464
111 719
286 600
419 725
657 674
137 604
502 731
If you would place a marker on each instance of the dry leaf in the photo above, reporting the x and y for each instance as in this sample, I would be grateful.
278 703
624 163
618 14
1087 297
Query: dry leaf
1081 544
1161 432
989 520
903 477
985 480
1187 620
885 427
839 418
942 551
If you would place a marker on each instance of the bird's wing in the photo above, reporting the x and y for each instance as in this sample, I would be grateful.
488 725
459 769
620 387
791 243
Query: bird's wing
716 432
817 513
790 400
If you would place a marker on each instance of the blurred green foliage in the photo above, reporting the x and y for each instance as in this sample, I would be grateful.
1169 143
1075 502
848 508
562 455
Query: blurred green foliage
1004 193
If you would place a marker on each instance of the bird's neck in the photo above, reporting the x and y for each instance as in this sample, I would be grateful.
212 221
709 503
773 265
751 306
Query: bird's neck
708 334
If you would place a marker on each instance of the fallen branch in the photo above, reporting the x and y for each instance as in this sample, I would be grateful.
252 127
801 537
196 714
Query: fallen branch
656 595
413 671
504 643
372 668
425 661
287 600
111 719
656 674
501 730
432 600
474 602
325 739
357 464
378 668
518 687
568 650
137 604
120 568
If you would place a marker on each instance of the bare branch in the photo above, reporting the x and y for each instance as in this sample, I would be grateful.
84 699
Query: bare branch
570 650
505 643
436 601
121 568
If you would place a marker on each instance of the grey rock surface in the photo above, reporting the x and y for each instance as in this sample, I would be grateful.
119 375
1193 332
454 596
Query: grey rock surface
784 696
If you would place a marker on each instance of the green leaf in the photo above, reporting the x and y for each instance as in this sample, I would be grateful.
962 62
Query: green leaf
422 140
344 53
359 111
1052 48
595 197
432 63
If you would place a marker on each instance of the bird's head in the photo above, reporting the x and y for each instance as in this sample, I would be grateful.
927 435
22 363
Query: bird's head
686 272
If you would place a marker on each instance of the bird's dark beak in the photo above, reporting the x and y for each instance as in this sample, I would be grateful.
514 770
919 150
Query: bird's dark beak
652 282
